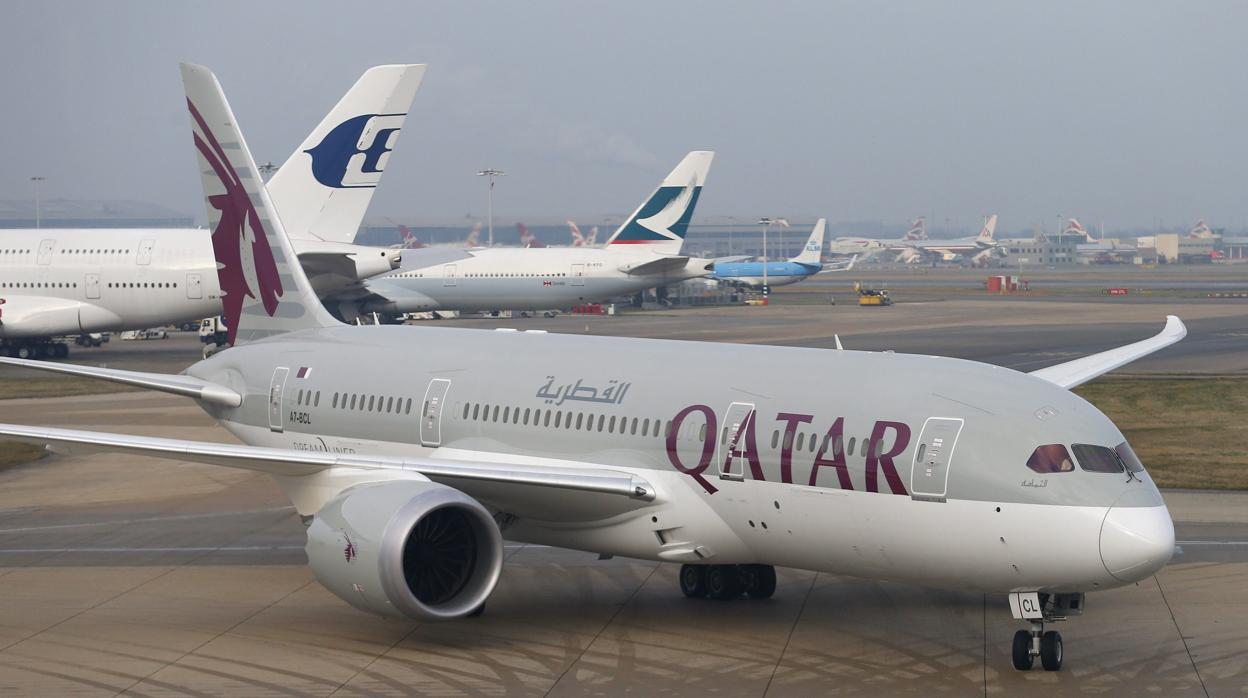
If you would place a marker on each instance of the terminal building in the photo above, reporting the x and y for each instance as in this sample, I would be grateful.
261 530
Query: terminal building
73 213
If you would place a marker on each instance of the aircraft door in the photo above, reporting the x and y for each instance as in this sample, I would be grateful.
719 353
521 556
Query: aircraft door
449 274
929 474
92 285
276 389
578 274
194 287
45 252
738 421
145 251
431 412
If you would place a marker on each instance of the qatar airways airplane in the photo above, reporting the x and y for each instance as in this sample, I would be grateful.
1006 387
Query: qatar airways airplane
919 469
644 253
57 282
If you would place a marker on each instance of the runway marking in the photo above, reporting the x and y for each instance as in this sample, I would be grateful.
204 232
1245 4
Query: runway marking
183 549
121 522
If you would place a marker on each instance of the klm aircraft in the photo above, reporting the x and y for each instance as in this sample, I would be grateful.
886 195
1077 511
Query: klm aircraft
803 266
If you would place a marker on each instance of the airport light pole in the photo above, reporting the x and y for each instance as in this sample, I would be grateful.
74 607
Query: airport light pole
766 223
489 198
37 181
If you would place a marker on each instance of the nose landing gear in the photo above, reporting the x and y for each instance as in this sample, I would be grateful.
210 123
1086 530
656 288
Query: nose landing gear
1038 609
1028 644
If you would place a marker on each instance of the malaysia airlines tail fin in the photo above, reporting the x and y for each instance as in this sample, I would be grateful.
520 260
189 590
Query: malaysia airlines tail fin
988 231
918 229
812 253
663 219
324 188
263 286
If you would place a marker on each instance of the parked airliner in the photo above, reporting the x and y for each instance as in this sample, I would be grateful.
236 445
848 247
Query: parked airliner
57 282
920 469
643 253
805 265
869 247
978 249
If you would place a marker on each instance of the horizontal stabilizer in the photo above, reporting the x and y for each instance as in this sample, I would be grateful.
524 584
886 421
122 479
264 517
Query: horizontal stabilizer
280 461
1080 371
186 386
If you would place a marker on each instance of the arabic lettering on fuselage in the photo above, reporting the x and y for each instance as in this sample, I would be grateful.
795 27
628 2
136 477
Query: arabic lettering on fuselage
611 394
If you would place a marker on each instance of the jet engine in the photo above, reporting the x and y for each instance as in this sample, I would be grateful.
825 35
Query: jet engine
412 549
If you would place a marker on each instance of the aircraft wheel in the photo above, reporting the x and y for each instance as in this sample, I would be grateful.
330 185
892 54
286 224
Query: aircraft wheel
25 352
1023 658
693 581
759 581
1051 651
723 582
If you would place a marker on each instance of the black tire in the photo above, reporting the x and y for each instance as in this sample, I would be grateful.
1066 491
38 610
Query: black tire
723 582
759 581
1051 651
693 581
1023 659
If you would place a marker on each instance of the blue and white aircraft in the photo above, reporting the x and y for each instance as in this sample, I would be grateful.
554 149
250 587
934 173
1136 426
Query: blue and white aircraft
803 266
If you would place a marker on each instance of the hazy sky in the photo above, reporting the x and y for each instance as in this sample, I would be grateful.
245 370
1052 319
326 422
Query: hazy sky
1127 112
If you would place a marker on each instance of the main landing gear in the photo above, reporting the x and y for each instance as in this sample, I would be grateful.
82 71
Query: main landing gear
725 582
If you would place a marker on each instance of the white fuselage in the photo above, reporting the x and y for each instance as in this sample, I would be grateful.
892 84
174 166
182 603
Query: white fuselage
66 281
533 278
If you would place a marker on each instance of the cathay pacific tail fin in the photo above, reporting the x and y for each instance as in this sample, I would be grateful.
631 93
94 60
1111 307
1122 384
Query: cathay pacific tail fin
325 186
663 219
264 289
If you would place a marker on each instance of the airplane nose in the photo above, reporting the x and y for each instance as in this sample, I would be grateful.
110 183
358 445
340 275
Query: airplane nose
1136 541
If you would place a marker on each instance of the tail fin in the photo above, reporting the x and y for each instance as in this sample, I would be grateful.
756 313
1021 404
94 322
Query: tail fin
663 219
812 253
1074 227
474 236
1200 230
988 231
325 186
592 238
263 286
918 229
578 240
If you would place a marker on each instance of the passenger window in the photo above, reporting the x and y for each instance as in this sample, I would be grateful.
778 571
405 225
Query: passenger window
1097 459
1051 458
667 432
353 396
372 399
851 445
1128 458
814 438
495 418
485 414
526 416
702 432
558 416
466 406
645 427
801 439
601 421
316 401
390 404
506 414
546 419
335 401
788 440
476 411
580 418
775 439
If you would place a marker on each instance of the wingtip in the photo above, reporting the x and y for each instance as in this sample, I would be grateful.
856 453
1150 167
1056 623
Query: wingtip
1174 327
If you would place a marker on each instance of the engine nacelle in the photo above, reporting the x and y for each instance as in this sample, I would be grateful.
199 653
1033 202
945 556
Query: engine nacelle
412 549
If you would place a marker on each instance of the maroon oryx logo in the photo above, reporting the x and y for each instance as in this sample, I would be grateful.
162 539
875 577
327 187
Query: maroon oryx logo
245 263
349 552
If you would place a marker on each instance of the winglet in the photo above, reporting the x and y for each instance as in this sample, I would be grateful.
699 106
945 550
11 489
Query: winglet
1080 371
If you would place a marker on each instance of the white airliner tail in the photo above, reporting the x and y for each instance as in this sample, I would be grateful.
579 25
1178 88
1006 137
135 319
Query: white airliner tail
989 230
325 186
663 219
812 253
264 289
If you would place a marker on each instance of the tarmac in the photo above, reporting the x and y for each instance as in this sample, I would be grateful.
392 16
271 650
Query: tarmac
148 577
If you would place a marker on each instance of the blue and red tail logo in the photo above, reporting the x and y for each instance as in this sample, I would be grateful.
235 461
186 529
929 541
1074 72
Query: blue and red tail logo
245 262
354 153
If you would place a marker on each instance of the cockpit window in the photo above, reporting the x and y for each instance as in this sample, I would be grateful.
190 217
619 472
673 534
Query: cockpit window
1129 458
1097 459
1051 458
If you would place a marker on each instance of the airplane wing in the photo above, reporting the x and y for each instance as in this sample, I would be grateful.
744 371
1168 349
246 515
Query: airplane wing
187 386
730 260
563 475
1080 371
656 266
840 265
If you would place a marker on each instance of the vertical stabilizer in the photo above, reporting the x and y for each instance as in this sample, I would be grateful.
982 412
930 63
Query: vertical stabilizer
324 188
812 253
918 229
263 286
663 219
989 230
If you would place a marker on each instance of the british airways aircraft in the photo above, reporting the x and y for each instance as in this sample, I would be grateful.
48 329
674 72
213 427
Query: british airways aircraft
57 282
920 469
803 266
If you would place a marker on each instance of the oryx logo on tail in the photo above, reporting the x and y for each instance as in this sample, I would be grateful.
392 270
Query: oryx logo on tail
245 262
354 153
